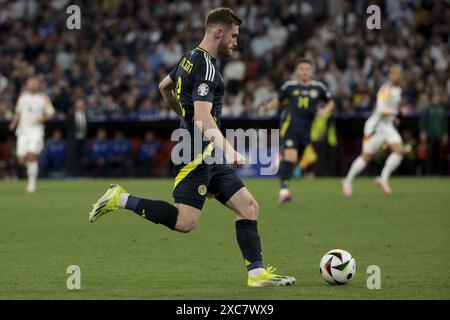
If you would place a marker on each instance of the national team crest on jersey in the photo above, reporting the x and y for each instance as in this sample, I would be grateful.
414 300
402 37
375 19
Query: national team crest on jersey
313 93
202 189
203 89
289 143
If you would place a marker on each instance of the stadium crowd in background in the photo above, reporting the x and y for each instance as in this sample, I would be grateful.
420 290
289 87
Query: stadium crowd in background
117 58
114 63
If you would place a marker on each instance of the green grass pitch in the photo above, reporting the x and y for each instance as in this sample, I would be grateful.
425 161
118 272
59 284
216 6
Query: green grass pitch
123 256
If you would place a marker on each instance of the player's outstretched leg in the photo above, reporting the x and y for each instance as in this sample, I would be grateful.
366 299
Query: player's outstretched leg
356 168
159 212
287 166
109 202
246 207
32 173
286 169
392 163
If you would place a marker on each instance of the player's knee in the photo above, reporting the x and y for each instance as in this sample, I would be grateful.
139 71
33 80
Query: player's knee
292 160
400 150
185 225
30 157
251 211
366 157
290 157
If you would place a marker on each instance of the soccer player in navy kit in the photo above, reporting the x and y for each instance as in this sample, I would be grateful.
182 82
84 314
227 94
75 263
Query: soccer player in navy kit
194 89
300 99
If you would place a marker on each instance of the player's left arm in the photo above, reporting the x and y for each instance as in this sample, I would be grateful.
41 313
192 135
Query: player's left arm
328 108
167 88
49 110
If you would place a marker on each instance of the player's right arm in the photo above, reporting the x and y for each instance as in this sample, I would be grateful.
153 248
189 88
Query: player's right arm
49 110
16 117
275 103
167 88
204 120
203 90
14 121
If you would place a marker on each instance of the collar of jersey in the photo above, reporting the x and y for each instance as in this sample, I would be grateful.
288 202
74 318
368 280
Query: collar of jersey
209 55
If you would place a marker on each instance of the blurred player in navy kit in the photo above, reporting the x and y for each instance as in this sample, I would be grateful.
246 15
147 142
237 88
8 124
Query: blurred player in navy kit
300 99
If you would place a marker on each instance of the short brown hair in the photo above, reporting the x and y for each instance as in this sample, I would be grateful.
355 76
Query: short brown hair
304 60
222 15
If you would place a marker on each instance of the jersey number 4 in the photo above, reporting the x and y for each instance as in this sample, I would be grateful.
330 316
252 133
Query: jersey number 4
303 102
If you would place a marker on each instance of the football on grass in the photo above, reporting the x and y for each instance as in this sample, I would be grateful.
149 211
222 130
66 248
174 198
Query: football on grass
337 267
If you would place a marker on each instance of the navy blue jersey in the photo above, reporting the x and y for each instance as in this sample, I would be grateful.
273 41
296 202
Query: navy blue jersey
301 103
198 79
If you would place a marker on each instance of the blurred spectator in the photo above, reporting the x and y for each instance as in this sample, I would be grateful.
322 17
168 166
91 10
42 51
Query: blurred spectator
232 105
3 82
409 163
261 43
76 131
172 52
6 112
148 152
264 91
120 154
401 15
361 98
54 155
101 153
278 33
20 9
434 134
247 107
61 97
147 110
234 74
347 19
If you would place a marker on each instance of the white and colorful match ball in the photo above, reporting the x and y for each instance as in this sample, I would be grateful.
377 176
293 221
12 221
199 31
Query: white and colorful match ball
337 267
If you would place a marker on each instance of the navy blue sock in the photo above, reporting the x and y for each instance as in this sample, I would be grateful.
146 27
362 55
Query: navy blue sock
285 172
249 243
159 212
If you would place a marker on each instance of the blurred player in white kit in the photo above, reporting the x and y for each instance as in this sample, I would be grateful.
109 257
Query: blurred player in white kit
378 129
33 109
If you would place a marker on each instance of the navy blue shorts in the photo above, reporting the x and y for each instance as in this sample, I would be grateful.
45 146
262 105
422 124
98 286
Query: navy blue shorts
194 183
295 141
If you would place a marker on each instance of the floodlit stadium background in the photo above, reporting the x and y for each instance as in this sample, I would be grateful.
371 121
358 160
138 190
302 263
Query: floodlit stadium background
115 61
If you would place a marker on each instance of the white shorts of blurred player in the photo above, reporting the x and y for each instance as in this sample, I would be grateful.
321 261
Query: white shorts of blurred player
29 144
384 133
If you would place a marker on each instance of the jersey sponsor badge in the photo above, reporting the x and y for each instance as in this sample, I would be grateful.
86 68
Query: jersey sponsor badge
202 189
203 89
